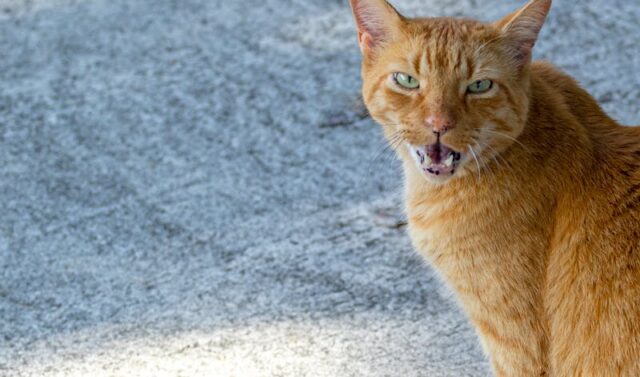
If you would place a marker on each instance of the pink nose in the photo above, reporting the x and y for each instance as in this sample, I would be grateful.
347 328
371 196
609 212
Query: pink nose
439 124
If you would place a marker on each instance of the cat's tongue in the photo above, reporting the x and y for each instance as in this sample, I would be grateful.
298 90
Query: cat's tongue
440 159
438 153
436 159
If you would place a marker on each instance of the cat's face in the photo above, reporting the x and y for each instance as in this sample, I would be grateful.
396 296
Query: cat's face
451 95
446 96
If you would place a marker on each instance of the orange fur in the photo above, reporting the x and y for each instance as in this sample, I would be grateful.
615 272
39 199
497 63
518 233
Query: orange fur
540 236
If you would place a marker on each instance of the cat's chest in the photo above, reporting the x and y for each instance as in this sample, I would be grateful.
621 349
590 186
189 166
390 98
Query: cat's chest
458 228
452 223
476 241
480 250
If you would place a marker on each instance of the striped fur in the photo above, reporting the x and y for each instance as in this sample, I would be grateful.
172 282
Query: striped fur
540 236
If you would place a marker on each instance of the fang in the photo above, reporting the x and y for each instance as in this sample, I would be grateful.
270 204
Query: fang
449 160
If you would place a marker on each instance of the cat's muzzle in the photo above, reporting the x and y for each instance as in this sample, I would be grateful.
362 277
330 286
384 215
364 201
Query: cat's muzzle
436 159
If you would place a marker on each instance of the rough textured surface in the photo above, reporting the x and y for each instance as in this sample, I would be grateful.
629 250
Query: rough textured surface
190 188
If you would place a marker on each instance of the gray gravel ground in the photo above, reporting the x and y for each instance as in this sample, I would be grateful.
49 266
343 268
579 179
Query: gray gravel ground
191 188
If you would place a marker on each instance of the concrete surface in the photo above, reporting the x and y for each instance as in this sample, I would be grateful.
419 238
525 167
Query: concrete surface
191 188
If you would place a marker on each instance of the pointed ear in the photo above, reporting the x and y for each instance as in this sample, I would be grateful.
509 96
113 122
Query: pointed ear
376 20
521 29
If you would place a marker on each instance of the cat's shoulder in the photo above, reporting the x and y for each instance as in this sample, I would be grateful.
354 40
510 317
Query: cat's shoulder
545 70
550 81
546 74
551 85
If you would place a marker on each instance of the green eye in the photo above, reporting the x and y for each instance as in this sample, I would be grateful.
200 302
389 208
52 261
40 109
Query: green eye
406 81
480 86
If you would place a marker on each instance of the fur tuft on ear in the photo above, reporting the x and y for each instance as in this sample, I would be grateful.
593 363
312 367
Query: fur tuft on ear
376 20
522 27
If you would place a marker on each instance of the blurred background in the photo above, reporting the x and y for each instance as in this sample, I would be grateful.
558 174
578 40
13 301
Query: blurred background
193 188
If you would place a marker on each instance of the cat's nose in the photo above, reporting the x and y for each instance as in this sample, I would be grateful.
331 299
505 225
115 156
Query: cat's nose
439 124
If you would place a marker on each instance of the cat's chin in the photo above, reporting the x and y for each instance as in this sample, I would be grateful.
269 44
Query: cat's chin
438 162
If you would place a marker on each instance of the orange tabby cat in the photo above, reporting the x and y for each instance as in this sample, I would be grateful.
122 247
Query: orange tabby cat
520 190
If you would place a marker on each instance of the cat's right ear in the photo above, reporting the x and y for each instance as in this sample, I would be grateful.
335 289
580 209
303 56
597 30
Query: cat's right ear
377 21
521 29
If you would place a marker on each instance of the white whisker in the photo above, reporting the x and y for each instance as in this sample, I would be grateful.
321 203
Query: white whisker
510 138
497 155
473 153
482 161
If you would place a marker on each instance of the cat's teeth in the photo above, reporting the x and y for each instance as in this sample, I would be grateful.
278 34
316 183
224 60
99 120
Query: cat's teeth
449 160
427 159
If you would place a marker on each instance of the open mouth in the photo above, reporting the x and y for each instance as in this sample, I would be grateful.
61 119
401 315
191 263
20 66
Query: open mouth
436 159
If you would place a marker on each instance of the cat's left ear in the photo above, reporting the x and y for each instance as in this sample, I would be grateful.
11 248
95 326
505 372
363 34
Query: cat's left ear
522 27
377 22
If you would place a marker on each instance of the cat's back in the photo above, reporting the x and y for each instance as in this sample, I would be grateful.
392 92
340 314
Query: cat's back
614 169
581 104
602 201
593 280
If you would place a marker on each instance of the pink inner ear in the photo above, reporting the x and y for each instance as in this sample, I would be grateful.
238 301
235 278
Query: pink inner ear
523 28
365 40
371 28
375 19
523 51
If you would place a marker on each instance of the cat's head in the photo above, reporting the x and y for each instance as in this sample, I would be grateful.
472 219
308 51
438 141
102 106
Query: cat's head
450 94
